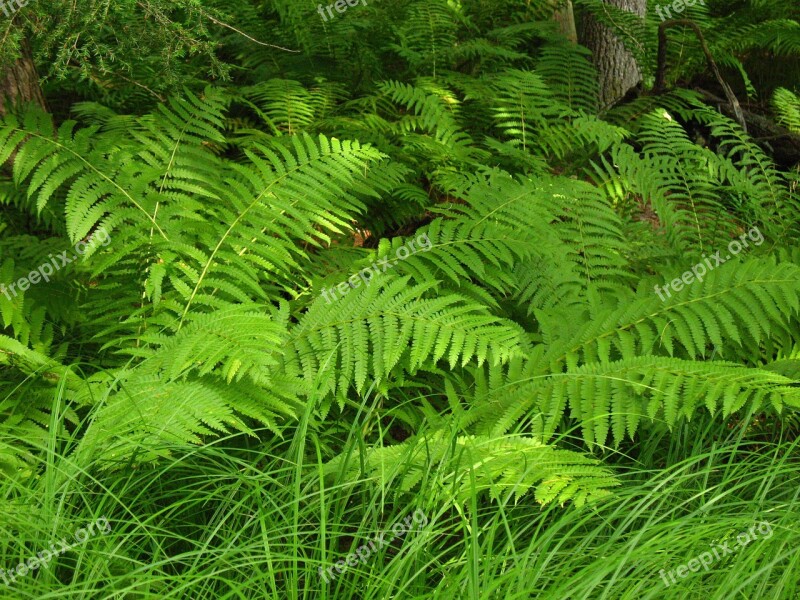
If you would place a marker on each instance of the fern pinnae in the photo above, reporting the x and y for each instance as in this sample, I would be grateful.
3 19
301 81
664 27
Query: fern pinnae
38 146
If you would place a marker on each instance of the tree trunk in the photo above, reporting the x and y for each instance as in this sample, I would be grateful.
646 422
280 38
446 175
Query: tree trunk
616 66
565 17
20 82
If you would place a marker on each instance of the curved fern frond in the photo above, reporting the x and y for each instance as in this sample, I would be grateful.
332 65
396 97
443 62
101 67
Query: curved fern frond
740 304
294 192
505 467
618 397
232 342
147 414
368 333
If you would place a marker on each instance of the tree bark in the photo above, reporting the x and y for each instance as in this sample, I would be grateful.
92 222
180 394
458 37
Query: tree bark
19 83
616 66
565 17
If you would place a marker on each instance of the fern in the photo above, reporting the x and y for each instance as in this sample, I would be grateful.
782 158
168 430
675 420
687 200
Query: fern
148 414
530 314
617 397
568 70
504 466
787 105
381 328
738 305
427 35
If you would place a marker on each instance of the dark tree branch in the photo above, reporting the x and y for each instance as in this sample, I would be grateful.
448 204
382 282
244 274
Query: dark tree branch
661 71
782 144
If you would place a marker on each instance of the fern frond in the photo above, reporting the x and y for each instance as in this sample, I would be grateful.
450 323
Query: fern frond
369 332
232 342
570 74
737 305
504 467
787 105
148 414
427 35
617 397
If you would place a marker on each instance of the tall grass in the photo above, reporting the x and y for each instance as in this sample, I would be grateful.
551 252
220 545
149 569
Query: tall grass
242 518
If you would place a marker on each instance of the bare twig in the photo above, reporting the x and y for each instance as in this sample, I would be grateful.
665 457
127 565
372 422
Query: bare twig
242 33
141 85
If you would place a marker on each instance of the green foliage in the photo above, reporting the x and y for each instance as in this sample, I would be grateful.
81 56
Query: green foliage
505 466
235 215
121 53
265 368
787 105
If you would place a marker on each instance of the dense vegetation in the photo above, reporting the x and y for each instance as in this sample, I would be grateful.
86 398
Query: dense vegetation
397 262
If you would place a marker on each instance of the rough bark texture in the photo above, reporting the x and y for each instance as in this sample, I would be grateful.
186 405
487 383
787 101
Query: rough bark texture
565 17
616 66
20 82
